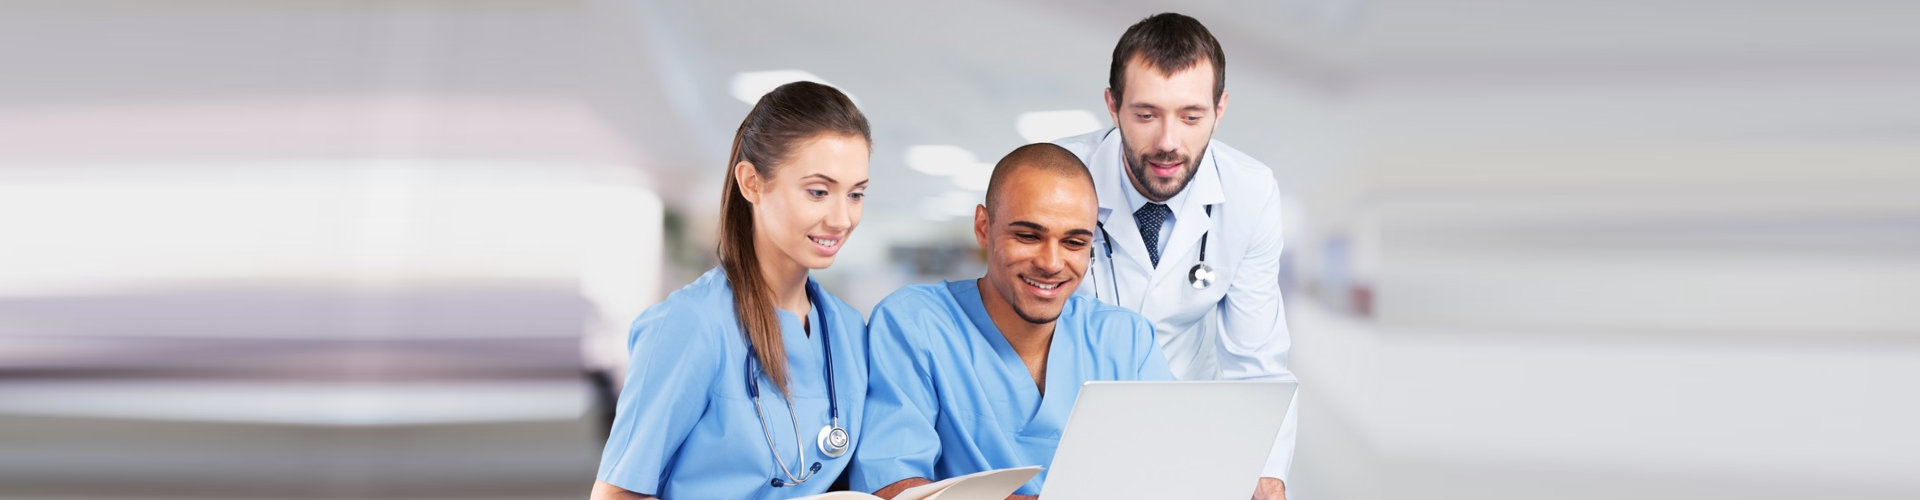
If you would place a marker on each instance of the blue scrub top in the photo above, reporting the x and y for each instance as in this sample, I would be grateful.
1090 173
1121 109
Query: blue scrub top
685 427
950 397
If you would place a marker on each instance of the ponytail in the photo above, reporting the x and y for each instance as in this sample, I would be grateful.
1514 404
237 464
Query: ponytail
782 119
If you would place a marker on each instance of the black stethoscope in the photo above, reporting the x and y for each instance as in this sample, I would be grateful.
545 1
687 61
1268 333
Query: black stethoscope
1200 276
833 440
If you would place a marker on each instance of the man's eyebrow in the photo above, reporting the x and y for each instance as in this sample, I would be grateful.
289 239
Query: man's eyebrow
1141 106
1037 227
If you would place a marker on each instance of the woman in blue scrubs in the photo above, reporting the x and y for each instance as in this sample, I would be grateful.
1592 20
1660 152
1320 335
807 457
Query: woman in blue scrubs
750 382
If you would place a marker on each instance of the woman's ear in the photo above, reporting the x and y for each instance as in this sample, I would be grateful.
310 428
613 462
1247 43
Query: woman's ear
748 180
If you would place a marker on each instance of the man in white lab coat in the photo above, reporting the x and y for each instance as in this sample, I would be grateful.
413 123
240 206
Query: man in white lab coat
1192 227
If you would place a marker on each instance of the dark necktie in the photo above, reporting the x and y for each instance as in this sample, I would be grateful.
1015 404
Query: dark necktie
1149 218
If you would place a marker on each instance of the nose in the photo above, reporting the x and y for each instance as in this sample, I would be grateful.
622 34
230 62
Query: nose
1052 260
840 216
1168 141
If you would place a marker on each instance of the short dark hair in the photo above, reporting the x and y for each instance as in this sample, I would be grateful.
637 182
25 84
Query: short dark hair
1170 43
1043 156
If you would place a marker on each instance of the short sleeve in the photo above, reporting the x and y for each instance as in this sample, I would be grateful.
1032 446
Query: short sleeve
1150 363
900 441
676 356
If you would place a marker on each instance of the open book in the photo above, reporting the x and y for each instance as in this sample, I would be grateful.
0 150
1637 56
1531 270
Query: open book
989 485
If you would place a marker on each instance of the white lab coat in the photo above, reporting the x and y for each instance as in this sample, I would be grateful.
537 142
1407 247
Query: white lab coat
1235 329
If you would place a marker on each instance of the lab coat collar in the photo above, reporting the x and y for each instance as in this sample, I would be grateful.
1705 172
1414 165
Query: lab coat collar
1109 173
1109 180
1192 222
1205 188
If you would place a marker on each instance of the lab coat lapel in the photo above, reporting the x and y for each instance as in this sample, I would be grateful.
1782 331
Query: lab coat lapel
1191 223
1109 178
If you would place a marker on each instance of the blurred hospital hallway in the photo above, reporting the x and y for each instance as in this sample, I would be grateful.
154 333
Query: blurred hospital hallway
79 458
1561 249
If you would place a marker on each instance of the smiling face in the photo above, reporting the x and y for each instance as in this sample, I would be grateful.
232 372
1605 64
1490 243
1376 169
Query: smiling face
804 212
1165 122
1038 242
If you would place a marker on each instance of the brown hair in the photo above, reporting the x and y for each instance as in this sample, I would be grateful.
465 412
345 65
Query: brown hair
1170 43
787 116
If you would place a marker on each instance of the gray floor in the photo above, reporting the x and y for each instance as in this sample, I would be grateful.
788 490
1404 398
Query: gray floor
233 393
58 457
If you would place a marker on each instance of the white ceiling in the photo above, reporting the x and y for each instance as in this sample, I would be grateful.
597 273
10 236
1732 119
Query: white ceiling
645 84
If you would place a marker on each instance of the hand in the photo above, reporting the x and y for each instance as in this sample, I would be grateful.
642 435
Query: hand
1270 489
901 486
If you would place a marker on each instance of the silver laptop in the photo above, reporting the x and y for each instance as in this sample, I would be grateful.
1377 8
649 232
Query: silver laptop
1198 440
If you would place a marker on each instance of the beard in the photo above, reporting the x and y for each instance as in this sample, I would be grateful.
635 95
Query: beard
1158 189
1008 289
1037 317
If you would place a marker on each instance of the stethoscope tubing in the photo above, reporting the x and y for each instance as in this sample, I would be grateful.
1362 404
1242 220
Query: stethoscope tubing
1113 276
833 403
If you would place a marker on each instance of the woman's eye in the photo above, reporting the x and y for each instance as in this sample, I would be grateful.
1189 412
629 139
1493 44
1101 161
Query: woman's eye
857 196
817 193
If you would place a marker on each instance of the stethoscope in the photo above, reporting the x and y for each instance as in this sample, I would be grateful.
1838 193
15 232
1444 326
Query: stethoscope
1200 276
833 439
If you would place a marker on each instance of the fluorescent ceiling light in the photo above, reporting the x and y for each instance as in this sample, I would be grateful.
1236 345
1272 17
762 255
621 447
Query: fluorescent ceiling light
940 159
954 162
1040 126
749 86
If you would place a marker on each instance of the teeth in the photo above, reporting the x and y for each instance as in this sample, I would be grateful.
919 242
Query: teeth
1041 285
824 243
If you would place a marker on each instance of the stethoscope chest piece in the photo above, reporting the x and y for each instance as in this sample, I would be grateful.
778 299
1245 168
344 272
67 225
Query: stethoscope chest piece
834 441
1201 276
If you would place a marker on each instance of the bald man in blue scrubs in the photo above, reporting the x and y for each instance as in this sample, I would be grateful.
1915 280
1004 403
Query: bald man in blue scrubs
976 375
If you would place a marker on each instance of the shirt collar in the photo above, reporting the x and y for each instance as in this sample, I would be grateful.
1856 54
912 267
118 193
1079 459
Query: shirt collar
1135 200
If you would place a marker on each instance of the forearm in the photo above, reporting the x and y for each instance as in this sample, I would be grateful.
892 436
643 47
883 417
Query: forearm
893 490
603 490
1270 488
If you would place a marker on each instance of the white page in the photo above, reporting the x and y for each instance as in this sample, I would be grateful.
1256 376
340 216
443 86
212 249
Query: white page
988 485
838 495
